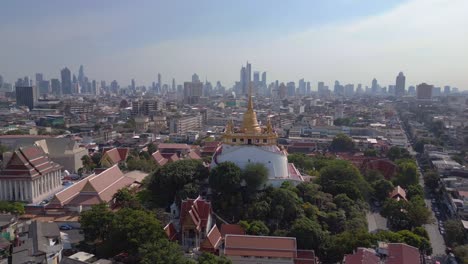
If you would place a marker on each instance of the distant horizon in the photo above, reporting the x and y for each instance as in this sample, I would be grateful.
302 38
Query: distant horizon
352 42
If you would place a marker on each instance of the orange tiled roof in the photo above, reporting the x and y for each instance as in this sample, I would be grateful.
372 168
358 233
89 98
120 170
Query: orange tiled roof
260 246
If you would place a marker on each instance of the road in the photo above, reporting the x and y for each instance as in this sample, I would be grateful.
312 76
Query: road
375 221
437 240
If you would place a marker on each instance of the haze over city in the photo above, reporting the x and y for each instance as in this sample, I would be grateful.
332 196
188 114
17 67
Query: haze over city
350 41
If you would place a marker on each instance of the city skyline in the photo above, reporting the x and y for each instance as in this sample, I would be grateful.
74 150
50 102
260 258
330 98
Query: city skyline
352 42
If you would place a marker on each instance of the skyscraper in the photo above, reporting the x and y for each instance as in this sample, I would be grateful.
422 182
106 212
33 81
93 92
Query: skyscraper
264 79
243 81
256 77
133 84
400 85
446 89
424 91
66 81
26 96
159 86
248 69
192 92
39 78
375 87
173 85
1 81
195 78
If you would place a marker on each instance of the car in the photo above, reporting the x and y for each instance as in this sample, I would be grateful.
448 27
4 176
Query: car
442 232
433 200
65 227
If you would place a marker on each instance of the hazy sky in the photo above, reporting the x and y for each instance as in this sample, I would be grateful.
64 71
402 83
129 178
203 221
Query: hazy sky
348 40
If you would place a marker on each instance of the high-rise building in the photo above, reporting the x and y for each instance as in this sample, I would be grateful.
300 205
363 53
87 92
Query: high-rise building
133 84
359 89
66 81
243 81
195 78
424 91
26 96
349 90
256 77
412 90
173 85
43 88
436 91
291 88
95 88
114 87
446 89
39 78
192 92
159 86
338 89
375 87
248 69
1 80
301 89
81 76
55 86
308 88
264 78
282 91
400 85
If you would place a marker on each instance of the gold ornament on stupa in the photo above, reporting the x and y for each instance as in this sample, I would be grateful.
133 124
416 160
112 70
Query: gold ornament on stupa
250 122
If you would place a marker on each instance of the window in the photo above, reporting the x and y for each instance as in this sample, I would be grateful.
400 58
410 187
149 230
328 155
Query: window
264 140
242 140
233 140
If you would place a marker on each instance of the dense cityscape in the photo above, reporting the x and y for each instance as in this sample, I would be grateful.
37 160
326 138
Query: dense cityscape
234 132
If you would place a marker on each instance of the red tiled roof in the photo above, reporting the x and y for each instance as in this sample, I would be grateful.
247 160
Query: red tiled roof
362 256
29 162
160 160
197 211
171 232
399 253
231 229
116 155
305 257
260 246
398 193
212 240
93 189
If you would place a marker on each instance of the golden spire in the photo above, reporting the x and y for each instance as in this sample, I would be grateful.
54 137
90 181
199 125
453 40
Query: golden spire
250 123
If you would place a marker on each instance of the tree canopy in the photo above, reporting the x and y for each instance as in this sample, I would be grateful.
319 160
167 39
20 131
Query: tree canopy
342 142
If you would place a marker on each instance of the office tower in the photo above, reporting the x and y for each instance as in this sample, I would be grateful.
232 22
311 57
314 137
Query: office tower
1 81
301 89
256 77
400 85
349 90
375 87
338 89
66 81
39 78
43 88
243 81
192 92
308 88
446 89
282 91
248 71
412 90
359 89
391 89
173 85
424 91
81 76
454 90
114 87
436 91
264 80
133 84
159 86
95 88
291 88
103 85
195 78
26 96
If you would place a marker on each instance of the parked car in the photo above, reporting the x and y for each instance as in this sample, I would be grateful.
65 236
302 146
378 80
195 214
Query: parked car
66 227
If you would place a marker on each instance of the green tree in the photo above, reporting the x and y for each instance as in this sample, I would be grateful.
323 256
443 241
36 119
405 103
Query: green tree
301 161
133 228
151 148
3 149
88 163
171 178
370 153
455 233
225 178
255 227
342 142
396 153
382 188
407 173
207 258
16 208
342 177
96 223
414 190
125 198
461 252
162 251
255 176
309 234
431 179
96 157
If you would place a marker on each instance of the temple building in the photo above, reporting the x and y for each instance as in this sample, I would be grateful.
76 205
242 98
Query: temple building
29 176
252 143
